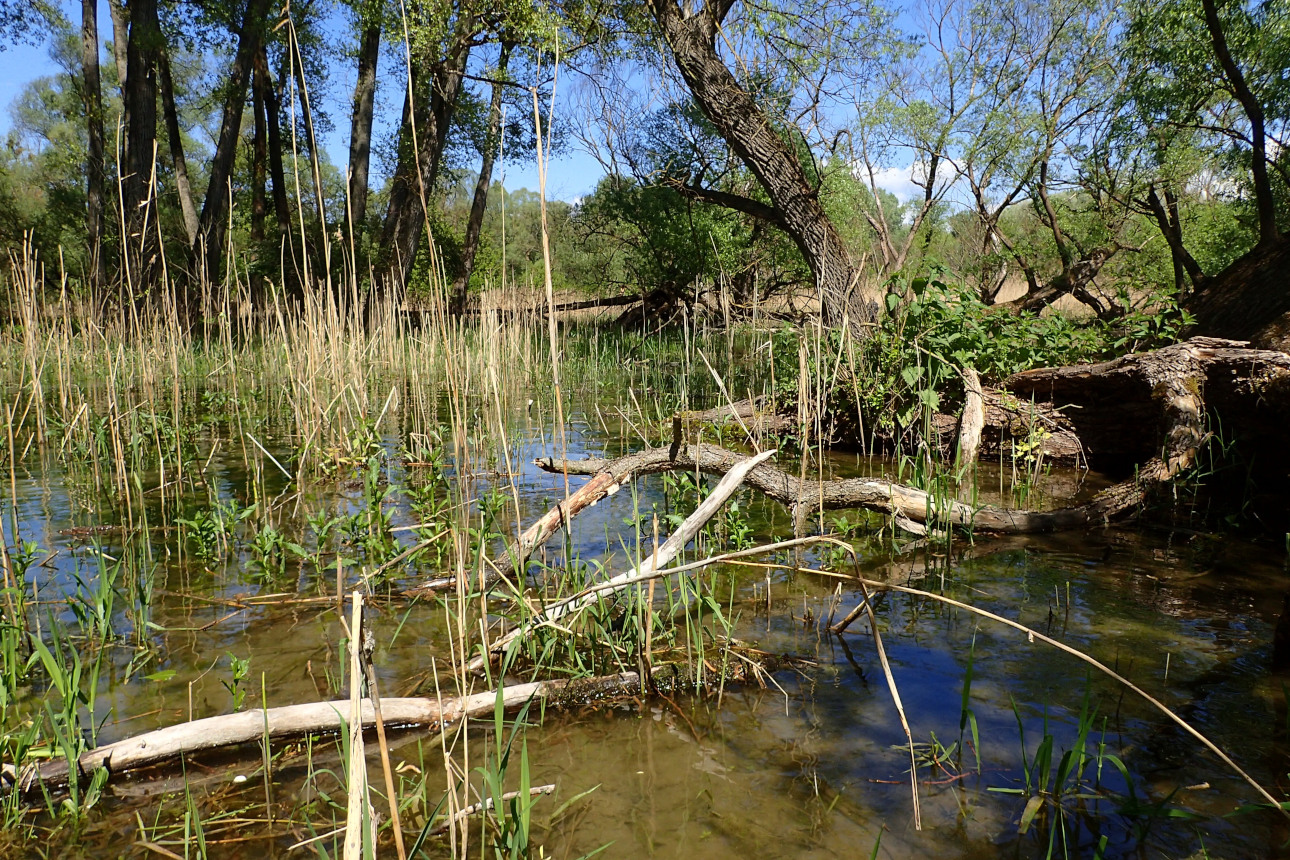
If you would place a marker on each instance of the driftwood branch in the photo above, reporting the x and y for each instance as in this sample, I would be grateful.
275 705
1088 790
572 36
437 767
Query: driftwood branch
678 541
173 742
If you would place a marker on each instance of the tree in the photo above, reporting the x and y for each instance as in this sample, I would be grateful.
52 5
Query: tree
488 155
93 90
691 36
1207 78
208 246
139 92
439 54
370 20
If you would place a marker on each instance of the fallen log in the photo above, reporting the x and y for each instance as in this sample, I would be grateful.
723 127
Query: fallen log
913 509
1133 407
213 733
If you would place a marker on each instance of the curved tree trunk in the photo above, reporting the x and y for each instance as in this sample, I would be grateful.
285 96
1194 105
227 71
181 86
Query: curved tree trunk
691 35
1249 300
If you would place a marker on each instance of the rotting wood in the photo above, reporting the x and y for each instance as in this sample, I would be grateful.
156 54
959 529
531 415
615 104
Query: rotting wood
214 733
1137 405
972 420
1164 394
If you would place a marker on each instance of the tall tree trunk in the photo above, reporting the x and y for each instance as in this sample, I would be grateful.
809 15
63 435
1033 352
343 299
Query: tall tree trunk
293 278
141 240
120 41
211 226
360 137
171 113
429 105
311 142
272 116
475 223
96 268
259 170
691 36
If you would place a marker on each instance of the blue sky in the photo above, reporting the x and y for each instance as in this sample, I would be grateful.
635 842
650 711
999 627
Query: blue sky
570 176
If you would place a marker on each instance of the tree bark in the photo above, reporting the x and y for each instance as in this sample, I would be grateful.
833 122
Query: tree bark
141 240
259 178
171 113
292 275
475 223
691 37
272 116
1165 213
209 245
120 41
360 137
96 266
429 105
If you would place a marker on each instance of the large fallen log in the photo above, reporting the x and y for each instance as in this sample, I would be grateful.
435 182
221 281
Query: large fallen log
914 509
1136 406
213 733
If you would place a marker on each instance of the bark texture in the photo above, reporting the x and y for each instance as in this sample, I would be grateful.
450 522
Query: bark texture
475 223
173 742
209 244
691 35
140 95
361 114
428 107
1249 300
170 111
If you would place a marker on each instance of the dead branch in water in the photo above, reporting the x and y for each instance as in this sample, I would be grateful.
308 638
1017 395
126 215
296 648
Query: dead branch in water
173 742
914 509
679 540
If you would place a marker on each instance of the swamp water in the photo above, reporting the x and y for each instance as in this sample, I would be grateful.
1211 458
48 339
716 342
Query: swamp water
215 588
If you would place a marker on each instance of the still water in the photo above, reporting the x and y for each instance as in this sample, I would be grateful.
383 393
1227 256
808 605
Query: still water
813 763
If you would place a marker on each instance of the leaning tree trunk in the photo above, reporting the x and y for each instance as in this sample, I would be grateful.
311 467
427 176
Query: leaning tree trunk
475 224
183 186
741 121
360 137
96 266
210 231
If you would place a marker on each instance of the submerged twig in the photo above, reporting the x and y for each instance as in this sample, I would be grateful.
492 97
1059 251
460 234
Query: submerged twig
1080 655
